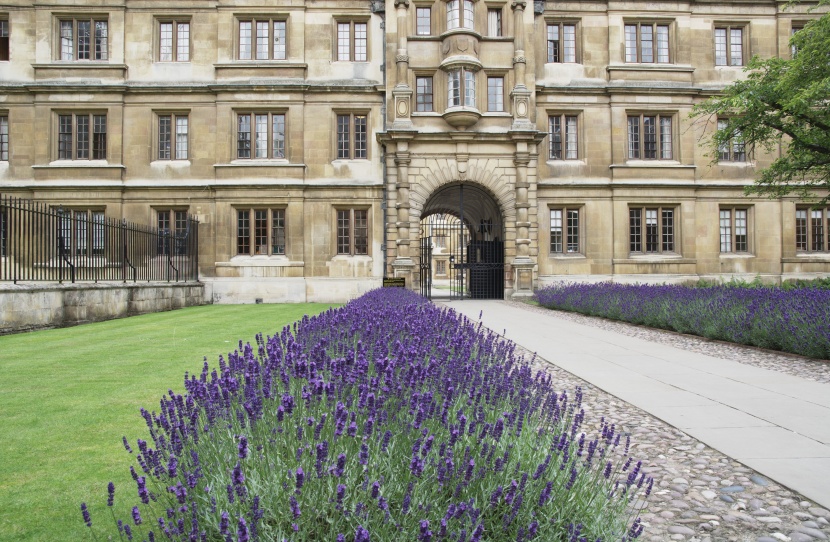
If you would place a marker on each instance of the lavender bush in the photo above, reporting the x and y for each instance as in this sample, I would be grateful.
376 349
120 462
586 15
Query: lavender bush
387 419
793 320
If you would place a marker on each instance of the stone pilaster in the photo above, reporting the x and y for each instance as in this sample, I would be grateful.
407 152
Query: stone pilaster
520 93
522 264
403 265
402 92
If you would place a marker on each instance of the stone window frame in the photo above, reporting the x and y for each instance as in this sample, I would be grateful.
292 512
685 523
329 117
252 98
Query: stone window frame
666 238
728 27
561 216
247 245
346 243
636 149
419 21
564 117
59 127
354 52
640 51
171 219
176 47
733 151
560 49
795 26
5 136
174 151
5 37
60 28
254 19
70 220
808 233
466 18
351 151
419 94
730 224
493 76
270 148
496 10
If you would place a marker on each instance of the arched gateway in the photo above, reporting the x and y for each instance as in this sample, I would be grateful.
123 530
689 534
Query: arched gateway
462 244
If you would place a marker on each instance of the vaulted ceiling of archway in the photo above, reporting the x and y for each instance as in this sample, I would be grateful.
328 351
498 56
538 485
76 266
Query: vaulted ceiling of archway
477 205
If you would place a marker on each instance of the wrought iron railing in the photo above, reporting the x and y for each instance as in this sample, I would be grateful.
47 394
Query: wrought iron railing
44 242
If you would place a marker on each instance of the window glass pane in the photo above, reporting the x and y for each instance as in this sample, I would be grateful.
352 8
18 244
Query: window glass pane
741 238
569 43
736 55
343 146
570 138
662 43
494 22
99 137
65 137
816 230
635 230
243 136
82 137
343 44
423 94
720 47
556 230
4 138
555 133
261 135
181 138
67 41
278 131
166 42
361 42
360 137
245 40
668 230
260 231
553 43
361 232
647 42
84 38
262 39
469 89
631 43
495 94
649 138
652 231
725 231
424 21
468 13
573 230
801 229
278 231
453 14
665 138
343 232
183 42
243 232
4 39
454 88
633 137
165 130
101 36
280 51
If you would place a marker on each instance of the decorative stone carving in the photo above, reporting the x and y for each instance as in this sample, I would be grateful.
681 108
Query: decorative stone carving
460 45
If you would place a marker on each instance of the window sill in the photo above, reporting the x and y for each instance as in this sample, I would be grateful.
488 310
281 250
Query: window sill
341 257
736 255
653 164
80 65
244 64
652 67
655 258
171 162
97 164
572 162
277 162
808 257
571 256
262 260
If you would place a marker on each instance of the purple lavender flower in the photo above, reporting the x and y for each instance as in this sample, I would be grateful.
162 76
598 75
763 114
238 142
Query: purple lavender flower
242 534
361 535
375 490
425 535
85 514
224 523
111 494
126 444
243 447
299 477
295 507
341 492
136 515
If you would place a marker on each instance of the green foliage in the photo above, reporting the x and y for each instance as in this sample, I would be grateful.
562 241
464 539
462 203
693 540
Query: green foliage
783 102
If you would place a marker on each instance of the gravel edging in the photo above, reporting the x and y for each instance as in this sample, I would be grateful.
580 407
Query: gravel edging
700 494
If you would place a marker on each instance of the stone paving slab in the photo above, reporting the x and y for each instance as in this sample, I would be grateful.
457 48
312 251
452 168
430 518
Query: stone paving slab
786 417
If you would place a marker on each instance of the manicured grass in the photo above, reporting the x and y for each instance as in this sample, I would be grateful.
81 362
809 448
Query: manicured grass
68 395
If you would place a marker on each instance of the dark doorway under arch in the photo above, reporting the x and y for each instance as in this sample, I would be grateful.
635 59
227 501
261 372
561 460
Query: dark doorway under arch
461 244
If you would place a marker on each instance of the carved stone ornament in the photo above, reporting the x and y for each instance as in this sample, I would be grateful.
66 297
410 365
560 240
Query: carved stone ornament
518 4
463 45
399 3
403 107
402 58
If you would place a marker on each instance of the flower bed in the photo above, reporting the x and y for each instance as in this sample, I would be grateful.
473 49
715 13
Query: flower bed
794 320
387 419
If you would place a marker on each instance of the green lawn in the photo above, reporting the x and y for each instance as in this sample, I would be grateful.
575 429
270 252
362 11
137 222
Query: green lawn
68 395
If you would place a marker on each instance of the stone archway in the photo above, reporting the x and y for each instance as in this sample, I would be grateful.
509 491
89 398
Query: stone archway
462 249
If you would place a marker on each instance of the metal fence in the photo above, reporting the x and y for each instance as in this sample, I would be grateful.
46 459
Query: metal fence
40 242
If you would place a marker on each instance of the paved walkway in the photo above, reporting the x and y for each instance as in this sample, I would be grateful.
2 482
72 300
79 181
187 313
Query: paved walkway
774 423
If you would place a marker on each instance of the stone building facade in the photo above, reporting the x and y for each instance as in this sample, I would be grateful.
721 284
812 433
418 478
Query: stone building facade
312 138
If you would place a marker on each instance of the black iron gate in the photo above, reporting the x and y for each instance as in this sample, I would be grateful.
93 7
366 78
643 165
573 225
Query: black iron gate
461 250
